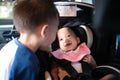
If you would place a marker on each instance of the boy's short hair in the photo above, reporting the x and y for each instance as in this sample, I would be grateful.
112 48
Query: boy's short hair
28 14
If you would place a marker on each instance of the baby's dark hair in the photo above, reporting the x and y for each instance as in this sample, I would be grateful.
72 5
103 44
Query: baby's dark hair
28 14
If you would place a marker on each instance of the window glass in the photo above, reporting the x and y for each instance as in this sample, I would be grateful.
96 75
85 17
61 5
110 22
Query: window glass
6 10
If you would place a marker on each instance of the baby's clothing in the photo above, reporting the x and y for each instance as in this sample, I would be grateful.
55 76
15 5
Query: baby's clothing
72 61
73 56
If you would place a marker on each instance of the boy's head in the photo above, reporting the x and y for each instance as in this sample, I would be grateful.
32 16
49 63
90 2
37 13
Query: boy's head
67 39
39 17
30 14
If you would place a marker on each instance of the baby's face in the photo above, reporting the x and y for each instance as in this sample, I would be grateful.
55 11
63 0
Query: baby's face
67 39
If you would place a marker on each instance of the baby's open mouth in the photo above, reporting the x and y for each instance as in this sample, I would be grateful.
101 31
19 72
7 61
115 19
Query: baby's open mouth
68 44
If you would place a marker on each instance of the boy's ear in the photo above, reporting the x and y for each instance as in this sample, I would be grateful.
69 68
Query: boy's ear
43 30
78 40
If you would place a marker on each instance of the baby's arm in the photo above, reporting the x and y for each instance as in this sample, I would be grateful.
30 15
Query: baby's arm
90 60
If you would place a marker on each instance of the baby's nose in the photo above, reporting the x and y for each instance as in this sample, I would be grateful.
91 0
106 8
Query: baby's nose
66 40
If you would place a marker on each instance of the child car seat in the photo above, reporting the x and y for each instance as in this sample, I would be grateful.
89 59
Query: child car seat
83 19
80 23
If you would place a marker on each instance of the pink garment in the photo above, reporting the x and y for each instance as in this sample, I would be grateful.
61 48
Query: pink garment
73 56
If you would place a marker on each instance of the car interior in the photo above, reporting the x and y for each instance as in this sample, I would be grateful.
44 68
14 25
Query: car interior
98 25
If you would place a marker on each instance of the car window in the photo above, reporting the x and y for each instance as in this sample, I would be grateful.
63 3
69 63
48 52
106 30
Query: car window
6 15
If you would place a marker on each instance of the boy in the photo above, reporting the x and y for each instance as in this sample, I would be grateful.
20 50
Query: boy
72 54
36 21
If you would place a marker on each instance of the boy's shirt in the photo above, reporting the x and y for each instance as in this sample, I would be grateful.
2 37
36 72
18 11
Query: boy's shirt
18 62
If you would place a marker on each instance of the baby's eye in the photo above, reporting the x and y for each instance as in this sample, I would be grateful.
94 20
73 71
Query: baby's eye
69 35
60 39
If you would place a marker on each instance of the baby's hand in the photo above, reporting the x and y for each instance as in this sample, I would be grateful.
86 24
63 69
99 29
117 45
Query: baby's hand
90 60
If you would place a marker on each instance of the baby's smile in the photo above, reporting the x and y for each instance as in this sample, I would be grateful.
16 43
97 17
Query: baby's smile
68 44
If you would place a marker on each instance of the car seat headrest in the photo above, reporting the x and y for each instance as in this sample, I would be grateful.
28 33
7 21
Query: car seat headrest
89 35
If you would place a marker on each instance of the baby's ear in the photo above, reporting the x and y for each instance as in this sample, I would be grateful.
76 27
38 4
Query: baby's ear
78 40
